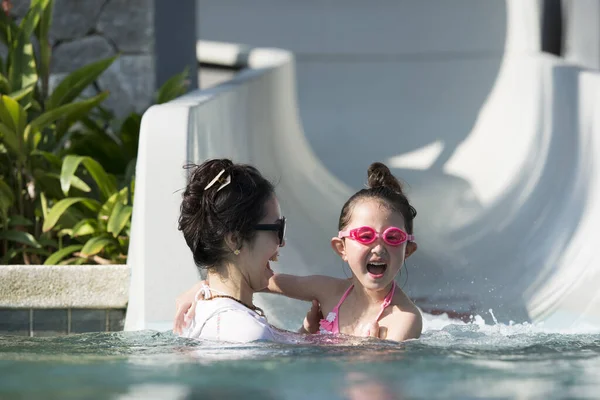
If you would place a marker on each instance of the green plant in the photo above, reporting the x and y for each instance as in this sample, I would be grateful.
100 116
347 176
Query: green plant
66 164
34 127
101 233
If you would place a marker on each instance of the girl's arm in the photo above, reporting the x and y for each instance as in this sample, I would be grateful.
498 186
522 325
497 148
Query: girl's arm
305 288
184 308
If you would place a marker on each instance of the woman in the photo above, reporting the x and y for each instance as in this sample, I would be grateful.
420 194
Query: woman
232 223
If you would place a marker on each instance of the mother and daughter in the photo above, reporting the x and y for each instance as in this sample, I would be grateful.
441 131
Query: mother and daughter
232 222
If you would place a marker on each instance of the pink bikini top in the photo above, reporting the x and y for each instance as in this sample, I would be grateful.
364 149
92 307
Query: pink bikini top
331 323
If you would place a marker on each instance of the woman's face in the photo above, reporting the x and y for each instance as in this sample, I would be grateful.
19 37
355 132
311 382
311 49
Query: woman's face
256 256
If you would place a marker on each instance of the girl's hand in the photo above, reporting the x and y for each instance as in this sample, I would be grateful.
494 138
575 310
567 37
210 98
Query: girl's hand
312 319
372 330
185 308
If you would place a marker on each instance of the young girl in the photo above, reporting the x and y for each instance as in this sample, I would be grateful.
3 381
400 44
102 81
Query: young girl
375 237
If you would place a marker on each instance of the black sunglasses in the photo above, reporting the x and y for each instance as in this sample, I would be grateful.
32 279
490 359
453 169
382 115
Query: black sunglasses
278 227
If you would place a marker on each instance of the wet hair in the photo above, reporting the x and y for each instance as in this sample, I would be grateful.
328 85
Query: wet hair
382 186
207 216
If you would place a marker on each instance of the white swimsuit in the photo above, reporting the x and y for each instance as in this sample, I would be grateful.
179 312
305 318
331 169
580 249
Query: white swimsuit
227 320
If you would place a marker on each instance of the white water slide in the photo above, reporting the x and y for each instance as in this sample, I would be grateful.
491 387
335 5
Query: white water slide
499 145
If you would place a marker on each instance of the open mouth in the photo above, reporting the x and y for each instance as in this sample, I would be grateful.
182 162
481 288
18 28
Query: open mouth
376 269
274 258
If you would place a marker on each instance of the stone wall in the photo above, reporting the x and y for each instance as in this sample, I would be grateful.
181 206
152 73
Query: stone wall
84 31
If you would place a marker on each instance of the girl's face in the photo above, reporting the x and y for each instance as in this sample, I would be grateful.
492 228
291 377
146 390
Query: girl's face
376 264
255 257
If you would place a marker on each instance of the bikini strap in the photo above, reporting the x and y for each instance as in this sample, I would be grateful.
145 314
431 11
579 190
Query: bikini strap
387 301
203 292
346 293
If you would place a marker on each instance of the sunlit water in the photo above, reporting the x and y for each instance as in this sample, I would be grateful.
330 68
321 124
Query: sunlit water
451 360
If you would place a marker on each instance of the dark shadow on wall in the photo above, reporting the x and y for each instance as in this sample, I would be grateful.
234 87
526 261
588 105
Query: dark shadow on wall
355 112
552 27
364 111
358 110
492 262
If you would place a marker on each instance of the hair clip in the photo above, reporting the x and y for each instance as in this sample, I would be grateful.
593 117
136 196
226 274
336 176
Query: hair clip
224 181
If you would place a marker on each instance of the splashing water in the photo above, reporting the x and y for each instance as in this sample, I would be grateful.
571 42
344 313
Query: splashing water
452 359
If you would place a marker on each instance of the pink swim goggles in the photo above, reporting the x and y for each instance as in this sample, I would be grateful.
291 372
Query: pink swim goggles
367 235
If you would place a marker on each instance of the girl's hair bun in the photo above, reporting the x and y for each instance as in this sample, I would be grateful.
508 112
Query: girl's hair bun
379 175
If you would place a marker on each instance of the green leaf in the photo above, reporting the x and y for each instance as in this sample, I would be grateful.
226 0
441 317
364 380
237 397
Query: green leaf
65 232
20 237
58 255
74 261
102 147
22 71
101 178
42 34
68 170
7 198
119 218
95 245
12 114
47 242
24 95
76 182
8 29
72 86
129 178
19 220
12 253
130 134
85 227
62 126
9 137
53 159
13 118
173 88
21 93
44 204
59 209
109 205
4 85
71 110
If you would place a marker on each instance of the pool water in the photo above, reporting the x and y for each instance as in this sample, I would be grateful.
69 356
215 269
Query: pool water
450 360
